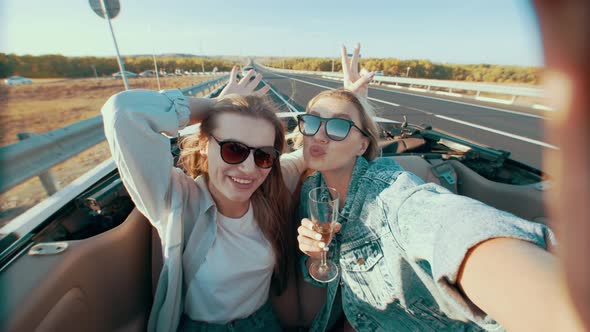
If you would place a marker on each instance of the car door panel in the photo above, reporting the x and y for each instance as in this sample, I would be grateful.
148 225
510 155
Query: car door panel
101 283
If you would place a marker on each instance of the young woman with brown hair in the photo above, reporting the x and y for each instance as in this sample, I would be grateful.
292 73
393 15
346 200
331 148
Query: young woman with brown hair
223 218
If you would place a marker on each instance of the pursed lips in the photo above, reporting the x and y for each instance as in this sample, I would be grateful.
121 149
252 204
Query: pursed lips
316 151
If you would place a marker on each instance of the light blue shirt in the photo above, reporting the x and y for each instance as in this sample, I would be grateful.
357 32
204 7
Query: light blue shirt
400 248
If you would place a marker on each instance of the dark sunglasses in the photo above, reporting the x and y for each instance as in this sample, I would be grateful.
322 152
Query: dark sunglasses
337 129
234 152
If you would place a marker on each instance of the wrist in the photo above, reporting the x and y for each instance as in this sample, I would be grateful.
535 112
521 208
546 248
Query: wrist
200 108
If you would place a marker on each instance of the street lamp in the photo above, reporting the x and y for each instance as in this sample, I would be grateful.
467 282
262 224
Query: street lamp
156 70
157 73
408 72
95 73
110 9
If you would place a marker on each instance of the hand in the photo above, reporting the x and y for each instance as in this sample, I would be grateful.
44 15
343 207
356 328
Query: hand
245 86
308 239
565 26
354 81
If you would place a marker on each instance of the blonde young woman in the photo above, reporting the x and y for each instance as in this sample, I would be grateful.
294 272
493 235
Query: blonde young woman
223 218
413 256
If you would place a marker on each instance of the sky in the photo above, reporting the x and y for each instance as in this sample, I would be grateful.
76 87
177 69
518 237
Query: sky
451 31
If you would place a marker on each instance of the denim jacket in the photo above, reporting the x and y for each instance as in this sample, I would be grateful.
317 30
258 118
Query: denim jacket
400 248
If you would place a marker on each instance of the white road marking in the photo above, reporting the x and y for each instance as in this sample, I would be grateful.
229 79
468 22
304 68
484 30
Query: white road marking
330 88
499 132
441 99
495 131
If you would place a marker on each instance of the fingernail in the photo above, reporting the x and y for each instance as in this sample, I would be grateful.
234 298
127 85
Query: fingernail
321 245
318 236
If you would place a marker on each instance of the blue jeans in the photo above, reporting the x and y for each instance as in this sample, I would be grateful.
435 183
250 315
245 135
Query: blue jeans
263 320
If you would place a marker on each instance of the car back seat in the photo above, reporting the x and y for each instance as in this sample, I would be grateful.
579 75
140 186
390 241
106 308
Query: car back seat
437 170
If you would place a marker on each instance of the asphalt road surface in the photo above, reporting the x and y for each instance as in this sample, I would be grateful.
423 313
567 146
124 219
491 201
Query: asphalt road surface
504 127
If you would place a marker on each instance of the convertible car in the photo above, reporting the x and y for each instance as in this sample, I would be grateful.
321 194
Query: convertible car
91 261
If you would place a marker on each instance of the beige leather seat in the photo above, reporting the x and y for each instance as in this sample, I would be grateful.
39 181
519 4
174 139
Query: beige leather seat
418 166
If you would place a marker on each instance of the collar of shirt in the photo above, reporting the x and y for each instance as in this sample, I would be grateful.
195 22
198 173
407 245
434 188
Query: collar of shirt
206 202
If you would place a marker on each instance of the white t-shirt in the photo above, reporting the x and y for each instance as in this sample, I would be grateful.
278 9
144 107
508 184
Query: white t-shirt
234 280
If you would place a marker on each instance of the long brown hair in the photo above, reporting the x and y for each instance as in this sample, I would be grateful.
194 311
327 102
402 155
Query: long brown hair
272 202
365 112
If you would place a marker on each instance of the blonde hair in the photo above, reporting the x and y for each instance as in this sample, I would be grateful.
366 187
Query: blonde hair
271 202
366 115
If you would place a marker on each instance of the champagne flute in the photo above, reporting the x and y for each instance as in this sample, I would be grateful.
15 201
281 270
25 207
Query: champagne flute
323 208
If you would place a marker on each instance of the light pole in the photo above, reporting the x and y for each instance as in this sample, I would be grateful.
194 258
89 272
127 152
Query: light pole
157 73
408 72
110 9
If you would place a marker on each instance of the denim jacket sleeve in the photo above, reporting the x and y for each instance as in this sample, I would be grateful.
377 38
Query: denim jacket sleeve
434 226
134 121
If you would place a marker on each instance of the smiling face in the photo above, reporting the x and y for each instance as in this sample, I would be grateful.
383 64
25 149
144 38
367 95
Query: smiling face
232 186
325 155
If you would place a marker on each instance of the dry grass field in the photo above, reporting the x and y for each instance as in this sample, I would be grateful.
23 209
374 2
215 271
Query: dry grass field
49 104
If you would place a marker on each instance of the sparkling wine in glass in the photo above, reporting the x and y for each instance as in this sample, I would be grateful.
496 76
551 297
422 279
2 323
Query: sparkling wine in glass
323 208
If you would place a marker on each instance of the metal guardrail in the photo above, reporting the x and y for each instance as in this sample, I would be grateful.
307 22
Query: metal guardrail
33 156
192 90
510 90
36 154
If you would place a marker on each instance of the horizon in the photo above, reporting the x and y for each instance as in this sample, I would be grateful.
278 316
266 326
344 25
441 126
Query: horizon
219 56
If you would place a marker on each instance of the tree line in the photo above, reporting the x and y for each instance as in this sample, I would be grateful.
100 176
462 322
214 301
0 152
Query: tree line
419 69
55 65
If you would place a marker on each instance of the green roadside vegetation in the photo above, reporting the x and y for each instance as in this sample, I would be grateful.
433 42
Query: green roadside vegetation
56 65
419 69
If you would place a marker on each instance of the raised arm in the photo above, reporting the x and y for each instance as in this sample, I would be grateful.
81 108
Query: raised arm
479 255
518 284
353 80
134 122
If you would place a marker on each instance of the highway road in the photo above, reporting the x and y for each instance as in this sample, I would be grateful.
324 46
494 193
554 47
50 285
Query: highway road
500 127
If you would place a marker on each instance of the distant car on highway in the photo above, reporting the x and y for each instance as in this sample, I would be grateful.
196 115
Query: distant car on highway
147 73
127 73
17 80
